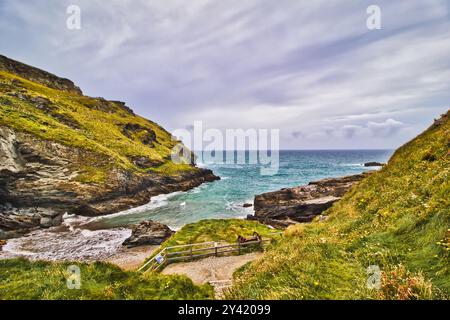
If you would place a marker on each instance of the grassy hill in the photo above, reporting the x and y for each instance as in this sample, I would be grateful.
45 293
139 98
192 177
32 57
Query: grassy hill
397 219
62 151
52 112
22 279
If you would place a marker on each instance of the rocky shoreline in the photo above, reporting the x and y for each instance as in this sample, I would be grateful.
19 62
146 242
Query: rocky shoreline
288 206
63 152
38 184
20 215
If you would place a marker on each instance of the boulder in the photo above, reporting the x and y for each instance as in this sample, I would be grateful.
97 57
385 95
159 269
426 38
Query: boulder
10 222
373 164
148 233
46 222
247 205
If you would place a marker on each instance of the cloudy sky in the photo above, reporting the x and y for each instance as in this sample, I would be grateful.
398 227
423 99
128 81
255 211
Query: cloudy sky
308 67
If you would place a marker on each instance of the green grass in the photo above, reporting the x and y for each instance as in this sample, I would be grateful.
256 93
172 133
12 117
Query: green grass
22 279
397 219
225 230
218 230
83 122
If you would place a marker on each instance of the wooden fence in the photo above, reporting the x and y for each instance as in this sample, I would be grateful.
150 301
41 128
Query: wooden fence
200 250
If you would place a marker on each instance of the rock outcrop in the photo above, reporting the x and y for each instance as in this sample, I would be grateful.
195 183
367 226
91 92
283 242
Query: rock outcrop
148 233
37 75
301 204
373 164
63 152
38 184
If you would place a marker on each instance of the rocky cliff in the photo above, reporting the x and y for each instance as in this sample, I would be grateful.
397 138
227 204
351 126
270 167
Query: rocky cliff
61 151
301 204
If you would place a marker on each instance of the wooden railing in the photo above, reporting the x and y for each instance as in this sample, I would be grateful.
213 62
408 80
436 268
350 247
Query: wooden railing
199 250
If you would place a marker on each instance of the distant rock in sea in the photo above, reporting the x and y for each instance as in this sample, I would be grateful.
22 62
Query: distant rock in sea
373 164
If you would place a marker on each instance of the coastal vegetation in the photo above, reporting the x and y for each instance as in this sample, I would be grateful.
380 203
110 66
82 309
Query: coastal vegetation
220 230
92 156
397 220
23 279
95 124
78 154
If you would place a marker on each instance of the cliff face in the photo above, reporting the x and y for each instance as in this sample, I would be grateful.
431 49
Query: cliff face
301 204
62 152
37 75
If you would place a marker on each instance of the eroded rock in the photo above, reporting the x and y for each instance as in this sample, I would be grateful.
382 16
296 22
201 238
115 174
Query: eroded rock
148 233
373 164
301 204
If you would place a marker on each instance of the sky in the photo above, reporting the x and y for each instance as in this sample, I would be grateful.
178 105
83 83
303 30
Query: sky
310 68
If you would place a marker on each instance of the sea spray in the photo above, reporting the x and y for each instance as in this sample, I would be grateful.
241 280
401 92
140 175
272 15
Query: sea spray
55 244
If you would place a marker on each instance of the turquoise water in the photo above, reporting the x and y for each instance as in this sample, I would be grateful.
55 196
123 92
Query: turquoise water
240 183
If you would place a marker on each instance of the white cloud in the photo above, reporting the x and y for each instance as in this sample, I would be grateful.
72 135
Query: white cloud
384 129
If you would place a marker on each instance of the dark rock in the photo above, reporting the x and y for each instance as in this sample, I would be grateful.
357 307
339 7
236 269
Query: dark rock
10 222
148 233
145 135
111 107
66 119
373 164
301 204
145 162
247 205
86 211
429 157
123 106
42 104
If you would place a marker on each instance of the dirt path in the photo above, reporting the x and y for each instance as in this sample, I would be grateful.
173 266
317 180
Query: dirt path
212 268
131 258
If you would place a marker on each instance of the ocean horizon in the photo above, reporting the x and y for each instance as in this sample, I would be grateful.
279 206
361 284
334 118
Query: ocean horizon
240 182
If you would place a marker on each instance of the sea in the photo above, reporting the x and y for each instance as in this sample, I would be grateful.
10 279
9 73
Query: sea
87 238
239 184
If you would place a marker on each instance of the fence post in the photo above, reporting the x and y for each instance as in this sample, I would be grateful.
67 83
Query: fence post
239 248
191 252
215 249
